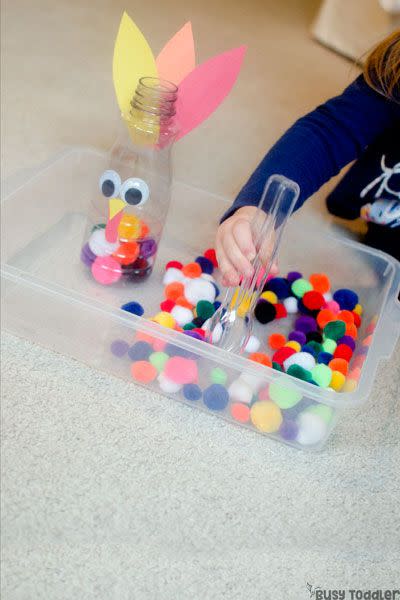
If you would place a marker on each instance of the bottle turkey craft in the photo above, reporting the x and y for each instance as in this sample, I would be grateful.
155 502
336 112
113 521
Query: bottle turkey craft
161 100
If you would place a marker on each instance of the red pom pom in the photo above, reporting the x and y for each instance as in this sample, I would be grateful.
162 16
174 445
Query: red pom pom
313 300
200 332
357 319
173 264
343 351
281 311
282 354
167 305
210 254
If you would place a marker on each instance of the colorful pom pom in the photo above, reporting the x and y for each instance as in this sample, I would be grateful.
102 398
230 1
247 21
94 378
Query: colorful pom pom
276 341
134 308
205 264
265 311
347 299
143 371
320 282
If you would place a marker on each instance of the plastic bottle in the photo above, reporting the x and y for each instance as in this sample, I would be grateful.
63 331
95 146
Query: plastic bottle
130 208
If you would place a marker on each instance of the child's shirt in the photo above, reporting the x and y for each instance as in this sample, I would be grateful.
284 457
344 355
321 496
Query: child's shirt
322 142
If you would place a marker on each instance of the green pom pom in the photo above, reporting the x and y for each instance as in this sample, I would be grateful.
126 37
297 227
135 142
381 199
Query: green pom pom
189 326
322 375
158 360
205 309
329 346
219 376
277 366
334 330
299 372
325 412
283 395
300 287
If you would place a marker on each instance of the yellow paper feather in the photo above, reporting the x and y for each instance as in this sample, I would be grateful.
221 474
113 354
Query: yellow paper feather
132 60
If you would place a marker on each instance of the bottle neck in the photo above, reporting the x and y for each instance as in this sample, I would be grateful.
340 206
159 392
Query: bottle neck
151 120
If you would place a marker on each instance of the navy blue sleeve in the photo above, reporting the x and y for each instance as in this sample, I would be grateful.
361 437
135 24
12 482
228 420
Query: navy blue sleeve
322 142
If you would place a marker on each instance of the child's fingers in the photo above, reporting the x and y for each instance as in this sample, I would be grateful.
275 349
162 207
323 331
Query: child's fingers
236 256
230 276
243 237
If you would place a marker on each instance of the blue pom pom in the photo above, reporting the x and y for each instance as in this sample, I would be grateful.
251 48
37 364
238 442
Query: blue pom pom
192 392
134 308
140 351
279 286
347 299
216 397
205 264
309 349
325 358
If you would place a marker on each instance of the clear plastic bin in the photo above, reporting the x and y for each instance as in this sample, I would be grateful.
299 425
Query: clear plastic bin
49 298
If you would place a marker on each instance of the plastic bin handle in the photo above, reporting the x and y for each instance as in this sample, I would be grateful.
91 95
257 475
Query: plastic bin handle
390 328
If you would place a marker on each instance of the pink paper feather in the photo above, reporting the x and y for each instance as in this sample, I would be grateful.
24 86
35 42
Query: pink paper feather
203 90
177 59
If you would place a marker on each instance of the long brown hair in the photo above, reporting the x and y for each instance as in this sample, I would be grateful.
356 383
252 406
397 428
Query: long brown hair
382 67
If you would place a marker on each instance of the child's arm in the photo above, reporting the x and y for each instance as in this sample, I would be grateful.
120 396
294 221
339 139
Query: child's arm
312 151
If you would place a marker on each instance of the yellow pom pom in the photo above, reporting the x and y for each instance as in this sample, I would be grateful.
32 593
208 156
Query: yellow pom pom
243 307
129 227
270 296
350 385
266 416
358 309
337 381
165 319
293 344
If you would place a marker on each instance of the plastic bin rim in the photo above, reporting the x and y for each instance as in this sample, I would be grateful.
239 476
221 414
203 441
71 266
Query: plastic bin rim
325 396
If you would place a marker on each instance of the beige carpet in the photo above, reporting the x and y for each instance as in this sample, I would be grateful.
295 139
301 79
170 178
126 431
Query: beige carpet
112 493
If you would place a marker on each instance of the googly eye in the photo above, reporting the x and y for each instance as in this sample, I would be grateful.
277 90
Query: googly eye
110 183
135 191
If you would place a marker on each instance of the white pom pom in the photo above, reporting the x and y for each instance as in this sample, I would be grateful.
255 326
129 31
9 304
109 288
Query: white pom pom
253 344
327 296
182 315
240 391
99 245
291 305
207 277
172 275
168 386
255 382
312 429
199 289
303 359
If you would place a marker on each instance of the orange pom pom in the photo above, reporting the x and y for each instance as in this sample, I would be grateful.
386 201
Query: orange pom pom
346 316
276 341
174 290
127 253
261 358
325 316
320 282
192 270
351 330
339 364
181 301
143 371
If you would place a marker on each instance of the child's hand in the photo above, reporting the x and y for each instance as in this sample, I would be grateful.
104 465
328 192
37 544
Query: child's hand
235 247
